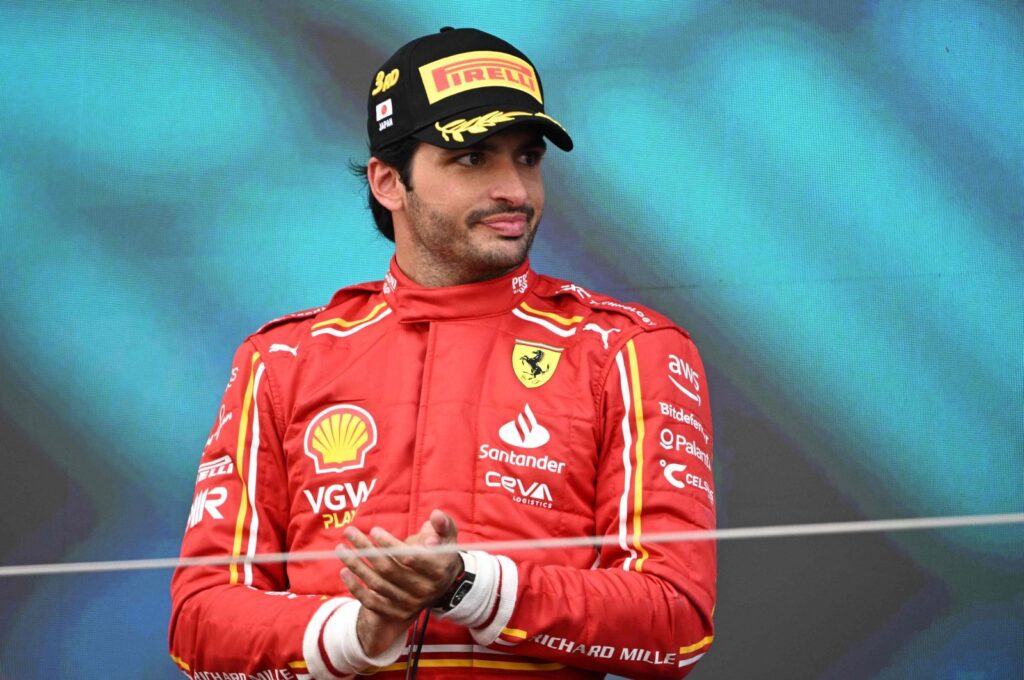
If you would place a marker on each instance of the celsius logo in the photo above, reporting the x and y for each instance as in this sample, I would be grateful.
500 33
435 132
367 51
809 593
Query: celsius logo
524 432
674 475
671 470
339 437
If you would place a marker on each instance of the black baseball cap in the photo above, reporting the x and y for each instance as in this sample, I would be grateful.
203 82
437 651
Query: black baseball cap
454 88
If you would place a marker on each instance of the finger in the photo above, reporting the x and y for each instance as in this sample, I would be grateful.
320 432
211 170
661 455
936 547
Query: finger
404 596
349 555
425 536
428 567
373 600
387 577
361 541
411 581
444 526
374 578
387 540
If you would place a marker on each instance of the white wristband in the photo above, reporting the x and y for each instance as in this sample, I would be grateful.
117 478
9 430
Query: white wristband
478 603
506 603
333 629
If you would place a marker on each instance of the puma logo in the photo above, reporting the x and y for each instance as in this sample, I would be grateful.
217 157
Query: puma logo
280 347
604 333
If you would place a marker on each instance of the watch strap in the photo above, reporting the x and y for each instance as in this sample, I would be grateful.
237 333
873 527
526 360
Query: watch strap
461 586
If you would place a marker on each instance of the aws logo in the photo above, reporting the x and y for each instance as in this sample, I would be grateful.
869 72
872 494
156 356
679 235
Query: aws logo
339 437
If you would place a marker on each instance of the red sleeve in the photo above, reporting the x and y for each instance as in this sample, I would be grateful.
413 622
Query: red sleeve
646 610
239 617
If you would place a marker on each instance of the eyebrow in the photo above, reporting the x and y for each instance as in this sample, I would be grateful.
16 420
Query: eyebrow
487 145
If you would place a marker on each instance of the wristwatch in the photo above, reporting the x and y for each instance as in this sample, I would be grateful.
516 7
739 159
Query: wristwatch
461 586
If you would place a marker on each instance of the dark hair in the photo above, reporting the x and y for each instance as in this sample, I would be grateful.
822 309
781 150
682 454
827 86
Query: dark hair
399 156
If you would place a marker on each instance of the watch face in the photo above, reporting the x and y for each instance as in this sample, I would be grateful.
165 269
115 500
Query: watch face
460 592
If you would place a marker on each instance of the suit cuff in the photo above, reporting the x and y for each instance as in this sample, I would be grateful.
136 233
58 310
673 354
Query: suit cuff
478 603
331 645
488 606
487 631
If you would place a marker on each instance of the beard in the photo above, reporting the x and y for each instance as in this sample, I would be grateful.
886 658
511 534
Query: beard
466 251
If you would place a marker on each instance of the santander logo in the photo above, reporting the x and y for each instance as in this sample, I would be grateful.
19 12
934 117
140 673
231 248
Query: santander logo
524 432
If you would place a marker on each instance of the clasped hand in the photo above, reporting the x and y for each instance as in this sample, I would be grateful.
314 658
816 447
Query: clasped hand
395 589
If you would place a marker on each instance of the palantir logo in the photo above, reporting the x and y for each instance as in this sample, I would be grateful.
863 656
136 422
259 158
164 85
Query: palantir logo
524 432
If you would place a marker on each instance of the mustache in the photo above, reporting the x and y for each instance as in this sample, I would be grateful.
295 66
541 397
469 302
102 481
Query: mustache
480 215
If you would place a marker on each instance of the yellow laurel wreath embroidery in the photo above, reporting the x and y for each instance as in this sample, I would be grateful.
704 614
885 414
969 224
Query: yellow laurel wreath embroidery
479 125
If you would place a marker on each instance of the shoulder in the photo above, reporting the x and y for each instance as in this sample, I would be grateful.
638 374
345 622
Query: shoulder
288 330
291 318
602 311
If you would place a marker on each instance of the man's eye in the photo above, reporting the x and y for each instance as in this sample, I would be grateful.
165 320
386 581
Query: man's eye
470 159
531 158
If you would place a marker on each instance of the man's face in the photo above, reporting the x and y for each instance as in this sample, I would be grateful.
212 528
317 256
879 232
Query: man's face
472 213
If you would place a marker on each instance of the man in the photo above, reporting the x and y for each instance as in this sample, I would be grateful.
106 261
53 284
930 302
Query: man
463 398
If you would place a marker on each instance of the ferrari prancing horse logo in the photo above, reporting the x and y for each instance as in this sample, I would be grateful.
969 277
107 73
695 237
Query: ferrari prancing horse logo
534 363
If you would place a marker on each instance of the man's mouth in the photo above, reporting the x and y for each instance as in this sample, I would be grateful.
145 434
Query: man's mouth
511 225
510 222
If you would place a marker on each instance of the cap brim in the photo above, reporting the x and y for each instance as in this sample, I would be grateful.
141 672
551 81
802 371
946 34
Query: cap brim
470 127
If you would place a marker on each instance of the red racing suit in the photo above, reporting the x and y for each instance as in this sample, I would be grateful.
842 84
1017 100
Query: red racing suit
525 407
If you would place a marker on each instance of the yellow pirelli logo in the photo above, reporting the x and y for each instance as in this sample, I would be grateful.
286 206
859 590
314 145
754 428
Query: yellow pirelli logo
470 70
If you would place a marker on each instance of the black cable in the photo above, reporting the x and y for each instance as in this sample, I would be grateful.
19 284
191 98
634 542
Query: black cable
412 643
419 632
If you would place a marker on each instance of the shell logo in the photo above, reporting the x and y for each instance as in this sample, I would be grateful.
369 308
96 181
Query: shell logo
339 437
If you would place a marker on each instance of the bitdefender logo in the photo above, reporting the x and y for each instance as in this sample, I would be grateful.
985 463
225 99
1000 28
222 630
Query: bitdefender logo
524 432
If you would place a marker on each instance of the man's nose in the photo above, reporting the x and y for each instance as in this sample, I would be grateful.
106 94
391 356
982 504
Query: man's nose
508 184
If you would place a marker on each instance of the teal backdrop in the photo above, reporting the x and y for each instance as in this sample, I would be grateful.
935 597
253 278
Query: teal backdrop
828 195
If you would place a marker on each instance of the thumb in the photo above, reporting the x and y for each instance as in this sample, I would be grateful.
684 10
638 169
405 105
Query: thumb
444 526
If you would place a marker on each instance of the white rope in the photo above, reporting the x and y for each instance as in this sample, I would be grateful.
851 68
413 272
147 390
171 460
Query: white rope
779 531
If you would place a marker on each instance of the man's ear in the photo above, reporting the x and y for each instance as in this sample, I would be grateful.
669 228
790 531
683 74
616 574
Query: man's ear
385 183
